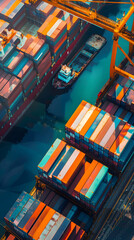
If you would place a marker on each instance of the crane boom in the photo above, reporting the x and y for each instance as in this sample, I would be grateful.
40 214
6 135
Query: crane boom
94 18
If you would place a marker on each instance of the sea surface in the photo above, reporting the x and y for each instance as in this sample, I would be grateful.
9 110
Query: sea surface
27 143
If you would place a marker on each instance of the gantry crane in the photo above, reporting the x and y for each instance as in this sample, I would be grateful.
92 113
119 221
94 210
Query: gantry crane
117 28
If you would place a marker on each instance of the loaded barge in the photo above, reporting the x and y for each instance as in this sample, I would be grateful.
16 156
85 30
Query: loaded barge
69 73
28 63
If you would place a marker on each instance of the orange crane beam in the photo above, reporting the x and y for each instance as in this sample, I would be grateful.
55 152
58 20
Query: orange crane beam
117 28
124 73
94 18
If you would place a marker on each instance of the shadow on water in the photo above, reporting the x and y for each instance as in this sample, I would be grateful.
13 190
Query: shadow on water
5 147
15 178
16 134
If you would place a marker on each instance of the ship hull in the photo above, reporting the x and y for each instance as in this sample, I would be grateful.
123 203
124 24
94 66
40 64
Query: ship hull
29 100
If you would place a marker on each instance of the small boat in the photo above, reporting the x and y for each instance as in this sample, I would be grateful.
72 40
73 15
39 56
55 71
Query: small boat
69 72
66 76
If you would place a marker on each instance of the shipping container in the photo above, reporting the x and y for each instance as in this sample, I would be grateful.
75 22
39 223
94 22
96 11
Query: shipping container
31 219
95 131
118 111
65 169
61 163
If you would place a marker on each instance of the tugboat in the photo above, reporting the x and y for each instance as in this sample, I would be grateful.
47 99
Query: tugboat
71 71
65 76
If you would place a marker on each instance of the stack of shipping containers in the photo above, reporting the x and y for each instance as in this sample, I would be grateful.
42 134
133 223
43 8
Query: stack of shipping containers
105 136
118 111
66 207
122 91
65 168
38 12
31 219
25 60
73 23
59 216
13 11
11 95
38 52
54 30
43 10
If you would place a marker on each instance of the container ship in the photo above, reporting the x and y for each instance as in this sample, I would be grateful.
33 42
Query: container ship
69 73
35 39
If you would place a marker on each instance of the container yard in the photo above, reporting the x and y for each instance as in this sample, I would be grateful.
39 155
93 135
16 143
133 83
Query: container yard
84 163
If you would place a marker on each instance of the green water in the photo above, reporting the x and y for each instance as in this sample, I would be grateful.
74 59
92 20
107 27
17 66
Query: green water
27 143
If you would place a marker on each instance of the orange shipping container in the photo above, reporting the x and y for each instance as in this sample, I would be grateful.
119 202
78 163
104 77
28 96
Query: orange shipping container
121 94
32 45
104 130
39 221
37 47
90 121
114 135
53 157
120 138
75 114
34 217
99 127
57 13
69 232
91 178
77 179
49 25
67 174
12 8
45 24
43 224
85 176
10 237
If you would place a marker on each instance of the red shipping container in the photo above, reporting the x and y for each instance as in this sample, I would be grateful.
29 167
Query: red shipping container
16 61
5 81
29 79
9 93
25 69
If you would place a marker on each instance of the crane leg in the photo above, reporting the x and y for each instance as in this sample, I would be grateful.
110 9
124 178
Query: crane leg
131 46
113 57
